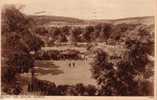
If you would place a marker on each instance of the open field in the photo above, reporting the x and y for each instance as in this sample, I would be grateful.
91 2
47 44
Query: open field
80 73
63 72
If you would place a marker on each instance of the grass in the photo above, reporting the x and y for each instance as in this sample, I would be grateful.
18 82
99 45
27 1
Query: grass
64 74
45 64
47 67
61 73
52 71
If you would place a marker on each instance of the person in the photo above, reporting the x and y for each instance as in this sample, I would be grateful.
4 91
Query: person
69 64
73 64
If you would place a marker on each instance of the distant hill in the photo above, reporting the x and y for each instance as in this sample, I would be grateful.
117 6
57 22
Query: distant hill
55 20
62 21
130 20
144 20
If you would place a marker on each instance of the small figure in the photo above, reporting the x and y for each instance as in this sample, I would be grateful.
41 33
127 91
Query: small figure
73 64
69 64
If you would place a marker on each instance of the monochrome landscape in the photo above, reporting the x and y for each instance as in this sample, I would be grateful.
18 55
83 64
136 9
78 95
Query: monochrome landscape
49 55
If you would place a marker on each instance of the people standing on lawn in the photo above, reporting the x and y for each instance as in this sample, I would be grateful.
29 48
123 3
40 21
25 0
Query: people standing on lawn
72 64
69 64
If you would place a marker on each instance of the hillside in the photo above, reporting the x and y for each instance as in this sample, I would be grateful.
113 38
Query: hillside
130 20
144 20
62 21
55 20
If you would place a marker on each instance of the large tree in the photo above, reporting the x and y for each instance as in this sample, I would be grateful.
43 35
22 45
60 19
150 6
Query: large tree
86 34
18 40
129 76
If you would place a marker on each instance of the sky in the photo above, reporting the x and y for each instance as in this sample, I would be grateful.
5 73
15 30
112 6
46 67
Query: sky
88 9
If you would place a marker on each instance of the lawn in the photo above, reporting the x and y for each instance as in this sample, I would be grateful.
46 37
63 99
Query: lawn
61 72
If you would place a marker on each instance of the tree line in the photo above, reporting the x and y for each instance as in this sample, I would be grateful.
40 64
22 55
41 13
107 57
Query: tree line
43 87
102 32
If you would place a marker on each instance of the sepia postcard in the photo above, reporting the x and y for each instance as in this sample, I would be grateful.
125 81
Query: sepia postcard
78 49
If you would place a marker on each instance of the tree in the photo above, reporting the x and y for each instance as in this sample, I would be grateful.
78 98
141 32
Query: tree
91 90
119 30
127 76
65 30
62 38
86 35
80 89
18 41
94 35
55 34
74 35
107 29
103 72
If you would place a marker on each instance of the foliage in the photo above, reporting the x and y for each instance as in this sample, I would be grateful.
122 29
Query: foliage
50 88
127 76
18 40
